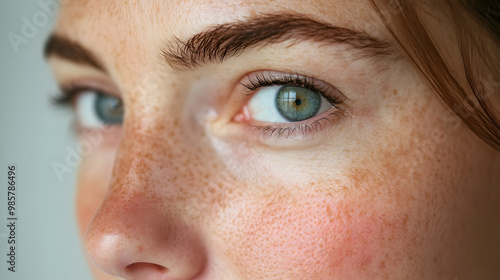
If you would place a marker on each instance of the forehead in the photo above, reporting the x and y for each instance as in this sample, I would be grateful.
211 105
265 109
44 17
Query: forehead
166 17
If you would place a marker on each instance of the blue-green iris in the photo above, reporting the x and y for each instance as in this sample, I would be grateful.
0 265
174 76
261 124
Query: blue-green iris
297 103
109 109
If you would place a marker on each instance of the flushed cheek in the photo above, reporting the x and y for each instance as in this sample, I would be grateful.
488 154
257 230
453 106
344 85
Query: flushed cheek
318 238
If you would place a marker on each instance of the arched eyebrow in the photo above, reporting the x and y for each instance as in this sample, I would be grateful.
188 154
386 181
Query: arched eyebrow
73 51
221 42
230 39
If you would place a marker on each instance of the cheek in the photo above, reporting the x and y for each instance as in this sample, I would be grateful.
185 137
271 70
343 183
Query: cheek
321 238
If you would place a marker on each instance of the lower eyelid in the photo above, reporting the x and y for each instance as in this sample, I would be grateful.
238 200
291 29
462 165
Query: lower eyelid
290 134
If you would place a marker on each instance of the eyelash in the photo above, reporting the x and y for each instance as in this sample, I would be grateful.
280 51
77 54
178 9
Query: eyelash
262 80
67 94
288 131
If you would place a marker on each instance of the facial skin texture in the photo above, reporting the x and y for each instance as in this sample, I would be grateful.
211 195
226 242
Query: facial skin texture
392 188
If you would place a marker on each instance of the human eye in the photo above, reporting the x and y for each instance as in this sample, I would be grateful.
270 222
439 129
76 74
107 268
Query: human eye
93 108
288 105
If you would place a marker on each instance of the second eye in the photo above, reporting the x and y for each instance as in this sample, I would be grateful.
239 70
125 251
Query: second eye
95 109
285 104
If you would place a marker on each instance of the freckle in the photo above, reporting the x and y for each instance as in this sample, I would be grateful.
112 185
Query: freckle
382 264
405 220
329 211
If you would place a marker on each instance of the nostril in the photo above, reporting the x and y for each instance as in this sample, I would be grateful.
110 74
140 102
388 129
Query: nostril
149 269
125 239
149 266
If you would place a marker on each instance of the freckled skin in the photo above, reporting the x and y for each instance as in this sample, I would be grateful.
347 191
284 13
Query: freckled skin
380 197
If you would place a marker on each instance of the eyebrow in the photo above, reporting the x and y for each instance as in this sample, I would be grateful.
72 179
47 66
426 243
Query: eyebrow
221 42
73 51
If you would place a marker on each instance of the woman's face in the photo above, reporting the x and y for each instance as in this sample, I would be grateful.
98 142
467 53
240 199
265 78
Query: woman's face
269 140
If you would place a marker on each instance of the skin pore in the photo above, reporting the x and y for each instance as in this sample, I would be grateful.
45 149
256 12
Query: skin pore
387 184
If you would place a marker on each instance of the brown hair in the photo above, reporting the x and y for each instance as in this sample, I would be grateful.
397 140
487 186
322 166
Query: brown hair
472 100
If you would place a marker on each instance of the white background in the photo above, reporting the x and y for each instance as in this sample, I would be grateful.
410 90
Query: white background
33 135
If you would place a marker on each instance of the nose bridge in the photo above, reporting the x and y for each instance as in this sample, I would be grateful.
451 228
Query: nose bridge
156 159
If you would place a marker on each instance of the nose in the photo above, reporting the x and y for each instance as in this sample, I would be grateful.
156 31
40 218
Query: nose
141 231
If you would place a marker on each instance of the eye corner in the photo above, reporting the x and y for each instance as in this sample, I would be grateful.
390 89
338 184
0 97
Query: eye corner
243 116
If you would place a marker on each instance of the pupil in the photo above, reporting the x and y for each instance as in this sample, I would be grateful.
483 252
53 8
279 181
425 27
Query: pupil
297 103
109 109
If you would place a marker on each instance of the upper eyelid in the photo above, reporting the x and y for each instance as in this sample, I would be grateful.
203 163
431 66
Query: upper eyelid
100 85
259 79
70 91
269 78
